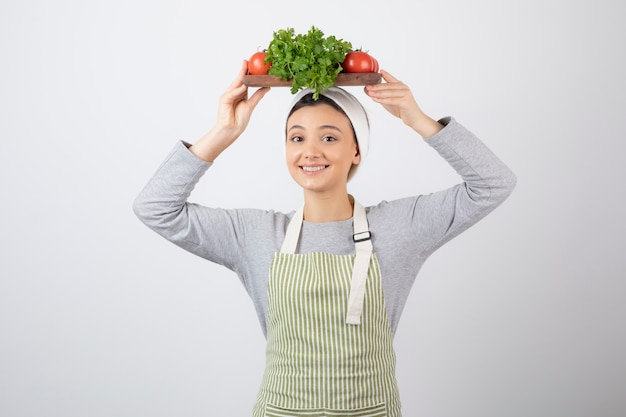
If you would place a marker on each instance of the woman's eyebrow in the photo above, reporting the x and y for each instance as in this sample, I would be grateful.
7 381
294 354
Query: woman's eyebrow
332 127
294 127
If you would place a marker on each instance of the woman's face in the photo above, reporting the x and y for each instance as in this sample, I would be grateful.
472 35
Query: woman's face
321 148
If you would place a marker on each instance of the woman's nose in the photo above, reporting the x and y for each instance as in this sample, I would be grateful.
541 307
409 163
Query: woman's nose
311 149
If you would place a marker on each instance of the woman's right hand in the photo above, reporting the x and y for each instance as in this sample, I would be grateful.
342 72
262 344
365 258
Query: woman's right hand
234 111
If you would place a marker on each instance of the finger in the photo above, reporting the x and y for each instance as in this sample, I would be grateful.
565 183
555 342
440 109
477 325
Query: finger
239 78
388 77
390 83
386 90
257 96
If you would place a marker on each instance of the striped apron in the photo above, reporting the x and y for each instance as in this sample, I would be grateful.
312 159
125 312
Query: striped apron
329 343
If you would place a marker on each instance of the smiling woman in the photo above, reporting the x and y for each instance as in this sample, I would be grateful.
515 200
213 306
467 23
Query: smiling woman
339 272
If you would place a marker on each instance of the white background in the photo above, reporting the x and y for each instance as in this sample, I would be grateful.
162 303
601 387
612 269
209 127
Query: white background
522 315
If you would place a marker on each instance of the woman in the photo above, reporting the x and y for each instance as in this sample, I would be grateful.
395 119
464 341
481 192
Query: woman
328 281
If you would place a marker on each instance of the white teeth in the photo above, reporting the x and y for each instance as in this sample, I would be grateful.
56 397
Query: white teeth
313 169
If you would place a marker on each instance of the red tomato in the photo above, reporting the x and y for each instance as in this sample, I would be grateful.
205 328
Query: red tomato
257 64
359 61
376 67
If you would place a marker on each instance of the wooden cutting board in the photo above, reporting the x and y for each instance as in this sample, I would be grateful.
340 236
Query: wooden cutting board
344 78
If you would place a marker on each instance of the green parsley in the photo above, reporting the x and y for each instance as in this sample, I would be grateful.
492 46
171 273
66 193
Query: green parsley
309 60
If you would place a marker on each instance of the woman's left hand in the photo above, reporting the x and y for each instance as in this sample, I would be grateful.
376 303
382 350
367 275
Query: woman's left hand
397 98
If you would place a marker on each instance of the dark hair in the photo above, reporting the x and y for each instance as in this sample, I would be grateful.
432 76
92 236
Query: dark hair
307 100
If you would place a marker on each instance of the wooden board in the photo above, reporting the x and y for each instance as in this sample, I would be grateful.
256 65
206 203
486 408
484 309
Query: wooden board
344 78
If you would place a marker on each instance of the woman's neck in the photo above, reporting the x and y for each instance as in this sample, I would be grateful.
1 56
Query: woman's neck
321 209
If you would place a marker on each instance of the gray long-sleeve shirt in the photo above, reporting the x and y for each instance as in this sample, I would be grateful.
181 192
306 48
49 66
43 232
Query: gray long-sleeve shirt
405 232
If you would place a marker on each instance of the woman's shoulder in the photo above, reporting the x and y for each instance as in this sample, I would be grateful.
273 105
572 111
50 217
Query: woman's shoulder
387 210
262 220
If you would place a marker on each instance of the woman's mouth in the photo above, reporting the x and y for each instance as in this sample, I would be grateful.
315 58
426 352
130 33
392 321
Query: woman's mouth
315 168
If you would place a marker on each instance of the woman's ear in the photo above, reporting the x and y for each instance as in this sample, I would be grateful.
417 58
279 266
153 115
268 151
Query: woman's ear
357 156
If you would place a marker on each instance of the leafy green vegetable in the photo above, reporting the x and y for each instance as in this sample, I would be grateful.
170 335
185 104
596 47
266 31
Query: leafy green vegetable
310 60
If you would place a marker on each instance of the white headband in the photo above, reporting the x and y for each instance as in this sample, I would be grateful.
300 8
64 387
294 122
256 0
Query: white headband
353 109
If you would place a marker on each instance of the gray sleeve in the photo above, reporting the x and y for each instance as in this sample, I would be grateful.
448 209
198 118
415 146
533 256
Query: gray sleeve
211 233
486 183
408 230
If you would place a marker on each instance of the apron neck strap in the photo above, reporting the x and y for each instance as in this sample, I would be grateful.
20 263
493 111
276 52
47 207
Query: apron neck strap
363 245
293 232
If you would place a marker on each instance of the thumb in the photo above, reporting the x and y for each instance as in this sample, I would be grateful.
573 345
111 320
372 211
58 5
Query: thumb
388 77
257 96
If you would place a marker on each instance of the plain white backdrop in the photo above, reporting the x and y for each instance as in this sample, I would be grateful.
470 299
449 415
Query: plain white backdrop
524 314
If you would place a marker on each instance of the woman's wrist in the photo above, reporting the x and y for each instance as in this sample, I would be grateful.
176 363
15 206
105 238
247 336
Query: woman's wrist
426 126
212 144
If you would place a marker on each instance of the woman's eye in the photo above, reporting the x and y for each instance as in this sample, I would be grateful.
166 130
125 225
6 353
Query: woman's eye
328 139
296 139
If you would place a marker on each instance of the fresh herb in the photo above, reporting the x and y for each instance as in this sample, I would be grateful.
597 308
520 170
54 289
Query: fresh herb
309 60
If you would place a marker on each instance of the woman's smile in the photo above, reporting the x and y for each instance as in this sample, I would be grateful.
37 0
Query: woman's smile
312 169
